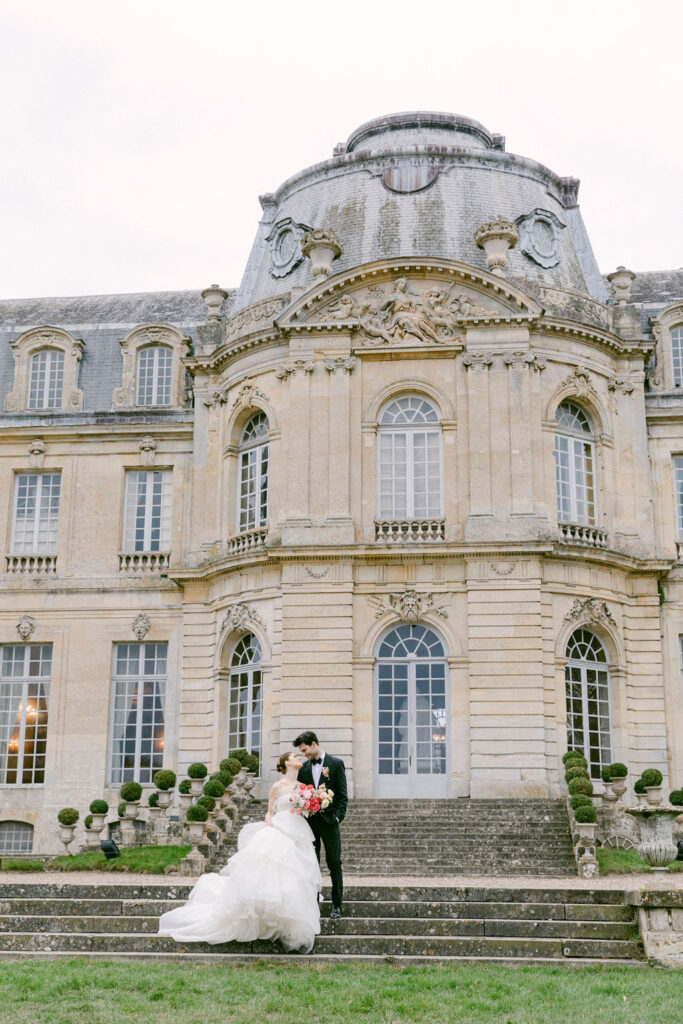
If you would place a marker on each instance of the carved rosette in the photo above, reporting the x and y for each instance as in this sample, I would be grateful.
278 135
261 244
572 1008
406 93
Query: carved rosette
241 616
141 626
591 611
410 606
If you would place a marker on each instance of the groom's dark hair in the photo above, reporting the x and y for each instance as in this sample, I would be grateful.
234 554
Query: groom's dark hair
305 737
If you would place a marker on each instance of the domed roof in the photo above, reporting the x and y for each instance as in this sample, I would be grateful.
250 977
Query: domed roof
422 183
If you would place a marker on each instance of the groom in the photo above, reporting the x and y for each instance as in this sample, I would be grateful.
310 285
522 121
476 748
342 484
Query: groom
322 768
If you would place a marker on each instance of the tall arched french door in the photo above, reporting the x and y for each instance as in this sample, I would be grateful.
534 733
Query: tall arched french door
245 705
411 715
589 711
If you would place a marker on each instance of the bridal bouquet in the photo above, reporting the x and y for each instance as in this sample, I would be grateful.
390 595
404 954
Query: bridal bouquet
309 800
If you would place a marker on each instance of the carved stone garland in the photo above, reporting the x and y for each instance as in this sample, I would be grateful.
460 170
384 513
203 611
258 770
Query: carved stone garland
410 606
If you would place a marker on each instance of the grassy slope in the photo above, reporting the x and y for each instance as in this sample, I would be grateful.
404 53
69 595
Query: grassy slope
95 993
625 862
144 859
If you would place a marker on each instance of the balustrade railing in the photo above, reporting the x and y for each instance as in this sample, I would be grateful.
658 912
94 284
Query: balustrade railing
575 533
43 565
410 531
250 540
143 561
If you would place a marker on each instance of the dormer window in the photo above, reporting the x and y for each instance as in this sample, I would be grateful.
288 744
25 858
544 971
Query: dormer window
677 355
46 381
155 375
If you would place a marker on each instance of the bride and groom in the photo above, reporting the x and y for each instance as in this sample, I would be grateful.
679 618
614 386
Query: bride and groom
270 888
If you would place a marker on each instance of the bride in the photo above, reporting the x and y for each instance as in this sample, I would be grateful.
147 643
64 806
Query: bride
267 890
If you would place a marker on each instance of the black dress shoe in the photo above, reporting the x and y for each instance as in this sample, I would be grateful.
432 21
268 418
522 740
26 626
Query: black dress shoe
335 912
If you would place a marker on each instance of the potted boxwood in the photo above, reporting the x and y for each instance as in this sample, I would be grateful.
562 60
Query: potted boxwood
214 788
617 773
639 790
581 785
98 809
121 810
67 818
165 781
576 771
208 802
130 793
586 819
184 796
652 781
580 800
195 817
573 755
676 797
230 764
197 772
155 811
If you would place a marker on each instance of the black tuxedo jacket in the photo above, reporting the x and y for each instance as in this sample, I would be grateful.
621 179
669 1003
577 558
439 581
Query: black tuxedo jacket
335 780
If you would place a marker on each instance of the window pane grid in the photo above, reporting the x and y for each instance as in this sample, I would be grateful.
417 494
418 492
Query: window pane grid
252 511
139 692
245 705
36 512
677 355
46 379
155 373
678 493
16 837
24 695
588 700
147 512
574 462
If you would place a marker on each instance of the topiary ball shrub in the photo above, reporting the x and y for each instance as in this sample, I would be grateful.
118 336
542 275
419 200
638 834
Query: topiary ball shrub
617 770
231 764
214 788
581 785
68 816
573 755
196 813
164 779
121 810
605 774
568 755
580 800
197 770
585 814
208 802
153 799
99 807
251 763
239 755
131 792
184 787
676 797
652 777
639 786
225 778
576 771
87 821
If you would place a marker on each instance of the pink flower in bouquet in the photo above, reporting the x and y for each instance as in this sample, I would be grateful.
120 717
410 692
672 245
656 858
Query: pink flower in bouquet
326 772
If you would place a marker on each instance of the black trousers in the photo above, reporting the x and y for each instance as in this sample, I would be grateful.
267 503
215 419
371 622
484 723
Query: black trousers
327 833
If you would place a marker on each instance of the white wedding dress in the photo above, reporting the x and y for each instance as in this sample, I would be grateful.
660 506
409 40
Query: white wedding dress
267 890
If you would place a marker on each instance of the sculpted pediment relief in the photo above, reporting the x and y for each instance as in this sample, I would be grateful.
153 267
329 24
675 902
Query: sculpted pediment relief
407 305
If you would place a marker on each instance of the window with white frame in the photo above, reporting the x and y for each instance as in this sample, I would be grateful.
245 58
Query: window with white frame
16 837
46 380
575 466
678 494
676 335
589 716
409 459
245 706
253 455
154 375
147 511
25 671
36 513
137 719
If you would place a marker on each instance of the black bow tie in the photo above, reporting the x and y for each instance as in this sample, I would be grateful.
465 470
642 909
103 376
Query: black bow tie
318 760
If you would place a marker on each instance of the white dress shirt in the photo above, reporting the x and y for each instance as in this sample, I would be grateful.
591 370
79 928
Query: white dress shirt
317 769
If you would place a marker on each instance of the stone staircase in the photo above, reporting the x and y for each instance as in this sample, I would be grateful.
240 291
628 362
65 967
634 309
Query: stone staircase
404 923
457 837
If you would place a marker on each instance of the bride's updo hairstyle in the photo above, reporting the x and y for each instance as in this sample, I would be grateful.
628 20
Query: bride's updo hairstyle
282 762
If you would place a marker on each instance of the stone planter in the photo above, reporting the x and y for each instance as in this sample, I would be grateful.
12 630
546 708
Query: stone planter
657 847
66 834
92 839
195 831
586 830
154 815
496 237
610 794
654 795
164 798
642 799
196 787
321 247
184 801
98 822
618 787
132 809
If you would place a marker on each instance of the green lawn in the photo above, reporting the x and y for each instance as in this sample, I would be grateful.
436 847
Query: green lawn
626 862
93 992
148 860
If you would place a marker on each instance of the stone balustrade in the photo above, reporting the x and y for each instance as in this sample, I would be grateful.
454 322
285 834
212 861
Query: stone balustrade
410 531
139 562
251 540
575 533
29 564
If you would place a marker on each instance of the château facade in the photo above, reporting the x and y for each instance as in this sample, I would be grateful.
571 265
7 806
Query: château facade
416 484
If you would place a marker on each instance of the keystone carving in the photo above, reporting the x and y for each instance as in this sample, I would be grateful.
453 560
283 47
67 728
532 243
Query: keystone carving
477 361
294 365
141 626
148 447
528 359
26 626
579 382
246 395
240 616
590 610
411 606
344 363
36 453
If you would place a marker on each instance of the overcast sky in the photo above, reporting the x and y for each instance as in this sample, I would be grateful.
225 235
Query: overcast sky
138 135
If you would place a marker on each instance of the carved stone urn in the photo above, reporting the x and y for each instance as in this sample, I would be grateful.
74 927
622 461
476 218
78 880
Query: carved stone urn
618 786
196 786
66 834
654 795
184 801
164 798
621 280
657 847
214 296
321 247
496 237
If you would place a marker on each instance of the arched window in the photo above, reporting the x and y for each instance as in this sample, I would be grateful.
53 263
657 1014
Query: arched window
46 380
245 706
677 355
575 466
16 837
409 459
252 498
154 375
589 718
411 714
